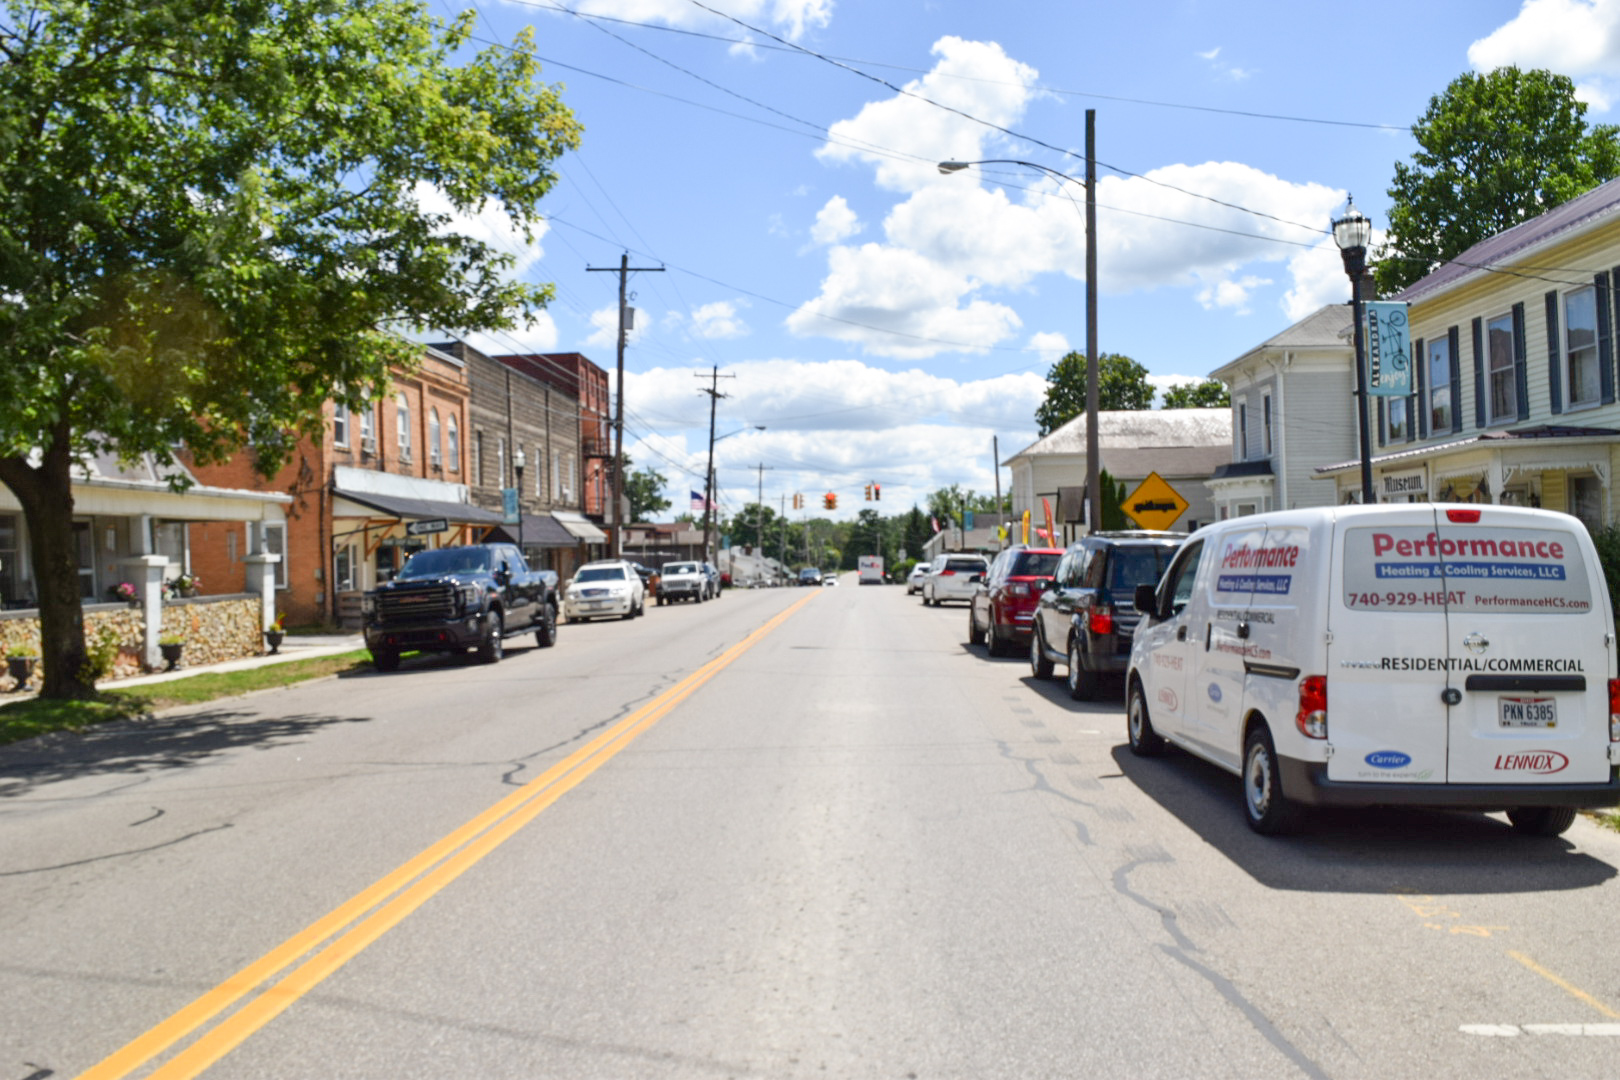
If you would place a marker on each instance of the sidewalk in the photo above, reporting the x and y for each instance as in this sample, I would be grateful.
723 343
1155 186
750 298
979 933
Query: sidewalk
293 647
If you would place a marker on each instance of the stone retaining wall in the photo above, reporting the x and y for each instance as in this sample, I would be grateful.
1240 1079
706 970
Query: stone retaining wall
215 628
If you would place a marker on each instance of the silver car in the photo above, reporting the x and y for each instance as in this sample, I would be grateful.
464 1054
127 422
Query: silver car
951 578
914 579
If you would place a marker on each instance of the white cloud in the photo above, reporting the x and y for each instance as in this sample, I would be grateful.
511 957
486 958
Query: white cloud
1318 275
976 77
1212 54
718 320
835 222
1229 293
790 18
606 333
536 336
1050 347
489 224
1578 38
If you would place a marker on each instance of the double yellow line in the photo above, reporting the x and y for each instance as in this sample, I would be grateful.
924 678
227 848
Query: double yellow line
400 892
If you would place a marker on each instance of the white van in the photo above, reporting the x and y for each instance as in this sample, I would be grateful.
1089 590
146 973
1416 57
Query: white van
1417 655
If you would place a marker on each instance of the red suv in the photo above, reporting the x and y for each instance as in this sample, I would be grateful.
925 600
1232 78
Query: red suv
1003 607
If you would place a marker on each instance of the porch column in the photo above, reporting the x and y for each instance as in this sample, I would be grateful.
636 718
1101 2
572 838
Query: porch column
261 579
147 570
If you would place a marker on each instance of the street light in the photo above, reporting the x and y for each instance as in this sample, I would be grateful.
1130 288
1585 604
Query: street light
518 461
1351 233
1093 484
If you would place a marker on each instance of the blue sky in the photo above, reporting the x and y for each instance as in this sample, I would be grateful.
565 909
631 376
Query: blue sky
884 322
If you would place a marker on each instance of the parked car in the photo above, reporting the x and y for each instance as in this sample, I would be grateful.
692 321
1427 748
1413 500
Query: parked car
1087 618
712 574
915 578
683 581
1002 608
606 588
810 575
451 599
951 578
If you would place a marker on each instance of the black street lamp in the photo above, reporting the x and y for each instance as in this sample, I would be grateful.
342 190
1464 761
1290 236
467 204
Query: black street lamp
1351 233
518 461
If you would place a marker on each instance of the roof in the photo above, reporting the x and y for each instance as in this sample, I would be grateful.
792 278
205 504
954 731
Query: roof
1543 431
1139 429
539 530
1234 469
1323 328
1577 214
402 507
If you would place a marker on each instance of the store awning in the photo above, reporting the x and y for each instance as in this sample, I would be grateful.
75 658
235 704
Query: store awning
539 530
579 527
407 509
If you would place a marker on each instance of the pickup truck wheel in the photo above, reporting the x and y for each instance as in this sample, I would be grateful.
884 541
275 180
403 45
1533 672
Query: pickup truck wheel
385 659
493 647
546 633
1541 820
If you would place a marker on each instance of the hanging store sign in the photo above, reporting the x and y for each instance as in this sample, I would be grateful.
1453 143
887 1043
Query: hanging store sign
1389 350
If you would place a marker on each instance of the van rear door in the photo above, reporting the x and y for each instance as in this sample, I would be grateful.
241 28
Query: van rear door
1527 641
1387 654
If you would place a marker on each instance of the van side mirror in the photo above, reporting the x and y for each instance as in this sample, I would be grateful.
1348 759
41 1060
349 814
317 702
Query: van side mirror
1146 600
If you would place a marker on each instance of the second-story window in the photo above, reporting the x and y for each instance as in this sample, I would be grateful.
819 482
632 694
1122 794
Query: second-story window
402 423
1439 385
1265 424
539 472
500 461
1501 391
340 425
1243 431
368 425
452 438
434 452
1581 347
1400 429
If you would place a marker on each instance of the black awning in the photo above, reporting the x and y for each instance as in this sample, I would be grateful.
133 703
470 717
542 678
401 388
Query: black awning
421 509
539 530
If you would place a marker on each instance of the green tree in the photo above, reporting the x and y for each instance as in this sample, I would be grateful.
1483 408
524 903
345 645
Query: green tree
645 490
1209 394
215 213
1495 149
1113 499
1122 383
916 532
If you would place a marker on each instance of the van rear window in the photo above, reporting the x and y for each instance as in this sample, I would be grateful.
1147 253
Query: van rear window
1461 568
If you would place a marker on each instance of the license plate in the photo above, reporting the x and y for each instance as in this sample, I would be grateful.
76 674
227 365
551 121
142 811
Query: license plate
1528 712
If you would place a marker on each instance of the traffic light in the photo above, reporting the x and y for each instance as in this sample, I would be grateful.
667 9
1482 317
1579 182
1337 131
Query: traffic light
829 501
798 501
868 492
877 491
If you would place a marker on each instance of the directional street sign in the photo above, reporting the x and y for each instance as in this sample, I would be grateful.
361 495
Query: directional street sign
426 525
1154 504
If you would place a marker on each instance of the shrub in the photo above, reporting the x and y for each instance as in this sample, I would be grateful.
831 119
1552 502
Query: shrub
1607 542
99 656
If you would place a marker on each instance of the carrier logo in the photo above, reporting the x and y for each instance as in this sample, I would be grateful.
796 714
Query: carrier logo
1388 759
1540 762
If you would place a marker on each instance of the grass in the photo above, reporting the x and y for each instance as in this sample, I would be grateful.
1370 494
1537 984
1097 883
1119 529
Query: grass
28 719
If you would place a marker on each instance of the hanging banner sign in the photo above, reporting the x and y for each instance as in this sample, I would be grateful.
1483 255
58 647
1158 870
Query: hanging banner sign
1389 350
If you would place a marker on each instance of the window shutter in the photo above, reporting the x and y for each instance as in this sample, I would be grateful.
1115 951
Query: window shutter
1419 428
1521 376
1383 439
1479 372
1456 380
1605 330
1554 380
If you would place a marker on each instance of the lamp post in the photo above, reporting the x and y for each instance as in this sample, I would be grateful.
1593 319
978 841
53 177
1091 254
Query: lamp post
1351 233
518 461
1093 483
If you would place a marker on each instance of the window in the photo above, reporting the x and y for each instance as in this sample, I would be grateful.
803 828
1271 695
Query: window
500 461
368 425
434 455
556 477
1439 385
10 580
343 565
1243 431
539 472
568 478
479 457
340 425
275 543
1400 429
1501 392
1581 355
1178 580
452 436
1586 500
402 423
1265 423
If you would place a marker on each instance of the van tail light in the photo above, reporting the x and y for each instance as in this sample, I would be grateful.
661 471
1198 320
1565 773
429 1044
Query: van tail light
1463 517
1312 716
1614 710
1100 620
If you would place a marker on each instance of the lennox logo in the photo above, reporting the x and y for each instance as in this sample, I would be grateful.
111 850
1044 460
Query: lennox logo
1167 698
1388 759
1540 762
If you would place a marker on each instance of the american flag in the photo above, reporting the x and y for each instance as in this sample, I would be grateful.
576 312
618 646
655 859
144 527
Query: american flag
697 502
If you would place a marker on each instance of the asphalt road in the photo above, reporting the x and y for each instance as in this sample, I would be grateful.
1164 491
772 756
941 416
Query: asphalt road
793 833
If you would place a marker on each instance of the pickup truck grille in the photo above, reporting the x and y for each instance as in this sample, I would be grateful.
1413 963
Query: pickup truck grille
412 605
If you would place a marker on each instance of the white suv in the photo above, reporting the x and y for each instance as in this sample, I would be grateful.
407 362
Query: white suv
950 577
600 589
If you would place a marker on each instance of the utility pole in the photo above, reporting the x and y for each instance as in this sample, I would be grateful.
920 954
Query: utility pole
713 390
1093 484
782 524
759 509
995 463
624 270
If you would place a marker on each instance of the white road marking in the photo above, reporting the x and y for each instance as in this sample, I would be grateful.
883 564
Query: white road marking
1609 1031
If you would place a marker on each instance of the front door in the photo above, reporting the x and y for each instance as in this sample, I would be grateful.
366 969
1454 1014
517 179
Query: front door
1169 645
1239 567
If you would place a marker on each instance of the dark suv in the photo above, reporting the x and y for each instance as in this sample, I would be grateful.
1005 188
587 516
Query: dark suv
1087 616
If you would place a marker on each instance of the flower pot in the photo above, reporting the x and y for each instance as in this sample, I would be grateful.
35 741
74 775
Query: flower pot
171 653
21 669
273 638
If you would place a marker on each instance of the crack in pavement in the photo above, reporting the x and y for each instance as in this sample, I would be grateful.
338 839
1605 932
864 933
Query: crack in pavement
1224 986
114 854
156 813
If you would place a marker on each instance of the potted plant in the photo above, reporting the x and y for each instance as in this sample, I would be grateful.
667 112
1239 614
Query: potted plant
171 646
20 661
278 630
185 585
124 591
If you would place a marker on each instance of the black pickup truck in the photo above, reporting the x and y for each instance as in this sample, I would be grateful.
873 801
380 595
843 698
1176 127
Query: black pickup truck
454 598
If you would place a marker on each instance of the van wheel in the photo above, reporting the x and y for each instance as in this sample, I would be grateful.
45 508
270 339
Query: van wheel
1542 820
1082 683
493 647
1145 742
975 635
1268 811
1040 665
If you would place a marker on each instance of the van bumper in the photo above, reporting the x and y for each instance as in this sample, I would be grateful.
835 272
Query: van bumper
1307 782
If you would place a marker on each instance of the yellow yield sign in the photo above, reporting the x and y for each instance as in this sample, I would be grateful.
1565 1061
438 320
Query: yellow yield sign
1154 504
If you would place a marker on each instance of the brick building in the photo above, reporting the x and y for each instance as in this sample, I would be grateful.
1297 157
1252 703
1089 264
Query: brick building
576 376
